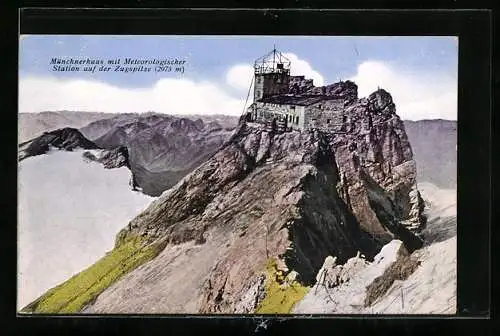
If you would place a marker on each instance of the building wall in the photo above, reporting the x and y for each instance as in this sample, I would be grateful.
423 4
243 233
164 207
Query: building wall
270 84
326 114
261 112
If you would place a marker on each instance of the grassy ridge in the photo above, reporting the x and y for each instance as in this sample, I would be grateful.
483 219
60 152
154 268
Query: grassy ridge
74 294
280 299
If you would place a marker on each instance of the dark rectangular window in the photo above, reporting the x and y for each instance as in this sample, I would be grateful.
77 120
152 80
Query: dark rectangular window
328 121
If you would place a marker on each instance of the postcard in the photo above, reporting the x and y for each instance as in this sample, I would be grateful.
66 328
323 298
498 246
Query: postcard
164 174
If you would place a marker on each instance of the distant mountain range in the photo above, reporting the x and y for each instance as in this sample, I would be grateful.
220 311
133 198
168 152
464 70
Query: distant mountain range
162 148
160 143
32 125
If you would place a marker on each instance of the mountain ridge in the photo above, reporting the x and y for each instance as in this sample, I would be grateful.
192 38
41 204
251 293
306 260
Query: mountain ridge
325 194
264 204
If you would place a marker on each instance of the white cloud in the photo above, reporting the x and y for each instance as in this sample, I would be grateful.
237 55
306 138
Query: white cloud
302 67
240 76
172 96
424 95
417 96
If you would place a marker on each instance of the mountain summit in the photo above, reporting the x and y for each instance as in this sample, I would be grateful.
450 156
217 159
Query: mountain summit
255 222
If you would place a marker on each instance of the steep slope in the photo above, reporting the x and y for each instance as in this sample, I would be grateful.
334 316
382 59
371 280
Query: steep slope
434 143
287 200
441 211
254 223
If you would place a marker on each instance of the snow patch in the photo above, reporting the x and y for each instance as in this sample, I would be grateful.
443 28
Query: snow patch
431 289
68 215
440 202
441 212
349 296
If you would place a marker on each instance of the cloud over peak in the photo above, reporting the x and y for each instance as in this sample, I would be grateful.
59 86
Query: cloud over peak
240 76
301 67
417 95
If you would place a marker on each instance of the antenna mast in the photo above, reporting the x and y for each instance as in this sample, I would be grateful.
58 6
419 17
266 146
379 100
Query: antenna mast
274 55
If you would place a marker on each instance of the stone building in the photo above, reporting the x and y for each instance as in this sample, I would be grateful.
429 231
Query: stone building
293 102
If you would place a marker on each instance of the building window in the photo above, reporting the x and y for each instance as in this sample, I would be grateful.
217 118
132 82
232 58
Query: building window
296 120
328 121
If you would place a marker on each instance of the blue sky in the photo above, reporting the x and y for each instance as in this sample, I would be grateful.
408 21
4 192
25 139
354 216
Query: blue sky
395 63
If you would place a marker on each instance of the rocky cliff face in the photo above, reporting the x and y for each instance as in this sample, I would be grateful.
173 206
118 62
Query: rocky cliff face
295 198
375 158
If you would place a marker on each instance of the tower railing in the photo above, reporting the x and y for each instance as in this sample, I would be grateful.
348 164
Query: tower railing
273 62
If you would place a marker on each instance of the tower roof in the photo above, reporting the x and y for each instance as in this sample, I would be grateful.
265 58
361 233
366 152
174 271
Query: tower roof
272 62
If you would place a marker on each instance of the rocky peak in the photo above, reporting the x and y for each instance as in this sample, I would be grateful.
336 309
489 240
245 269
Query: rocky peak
292 198
65 138
297 197
381 101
